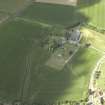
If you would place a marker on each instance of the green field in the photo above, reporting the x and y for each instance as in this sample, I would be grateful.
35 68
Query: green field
95 11
15 45
24 74
22 57
53 14
91 12
11 6
101 80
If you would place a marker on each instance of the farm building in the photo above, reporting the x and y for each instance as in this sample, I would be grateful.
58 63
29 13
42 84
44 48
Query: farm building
73 36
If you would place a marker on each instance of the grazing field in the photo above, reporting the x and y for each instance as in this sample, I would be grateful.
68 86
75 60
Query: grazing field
92 13
15 45
12 6
54 14
95 38
70 83
95 12
24 74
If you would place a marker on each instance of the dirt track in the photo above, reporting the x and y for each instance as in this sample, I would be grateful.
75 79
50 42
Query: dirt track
62 2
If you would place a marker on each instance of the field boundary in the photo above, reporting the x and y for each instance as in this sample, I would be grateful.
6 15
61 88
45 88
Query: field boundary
60 2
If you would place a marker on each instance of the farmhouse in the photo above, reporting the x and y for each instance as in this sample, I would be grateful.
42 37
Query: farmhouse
73 36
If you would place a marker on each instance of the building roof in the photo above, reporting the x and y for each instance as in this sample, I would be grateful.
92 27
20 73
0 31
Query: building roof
75 35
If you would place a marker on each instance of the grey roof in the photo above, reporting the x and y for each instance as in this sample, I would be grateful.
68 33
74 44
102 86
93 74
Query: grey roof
75 35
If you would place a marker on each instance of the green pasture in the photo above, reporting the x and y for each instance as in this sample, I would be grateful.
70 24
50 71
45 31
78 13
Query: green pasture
53 14
23 71
17 40
11 6
20 39
70 83
96 39
94 10
101 80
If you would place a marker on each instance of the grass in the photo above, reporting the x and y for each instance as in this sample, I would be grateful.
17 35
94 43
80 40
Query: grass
53 14
46 84
15 45
23 37
11 6
69 84
101 80
61 56
94 12
95 38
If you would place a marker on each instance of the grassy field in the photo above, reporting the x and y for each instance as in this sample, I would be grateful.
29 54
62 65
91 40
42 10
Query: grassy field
21 49
16 44
94 10
53 14
3 15
92 13
23 70
101 80
70 83
11 6
95 38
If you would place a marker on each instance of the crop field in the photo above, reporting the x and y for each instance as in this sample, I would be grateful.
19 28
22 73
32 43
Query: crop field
28 70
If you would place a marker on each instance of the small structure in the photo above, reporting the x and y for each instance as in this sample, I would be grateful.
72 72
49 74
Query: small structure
73 36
